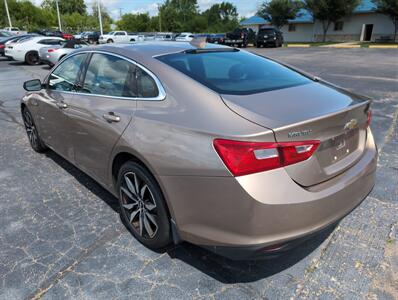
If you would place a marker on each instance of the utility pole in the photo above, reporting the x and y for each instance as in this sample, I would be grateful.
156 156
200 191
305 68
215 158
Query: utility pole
8 14
120 13
59 18
99 17
160 18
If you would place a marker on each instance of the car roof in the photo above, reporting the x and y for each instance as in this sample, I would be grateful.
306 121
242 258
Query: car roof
151 49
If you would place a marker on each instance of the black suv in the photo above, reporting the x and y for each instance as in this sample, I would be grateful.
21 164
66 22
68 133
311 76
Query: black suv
269 36
240 37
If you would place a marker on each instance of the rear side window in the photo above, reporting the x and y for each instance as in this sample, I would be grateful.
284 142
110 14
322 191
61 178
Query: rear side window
109 75
146 86
234 72
50 42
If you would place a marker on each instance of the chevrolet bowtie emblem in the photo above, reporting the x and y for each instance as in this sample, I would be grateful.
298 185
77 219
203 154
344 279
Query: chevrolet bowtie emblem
351 124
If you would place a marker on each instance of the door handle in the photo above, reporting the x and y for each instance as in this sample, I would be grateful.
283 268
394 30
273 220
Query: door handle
111 117
62 105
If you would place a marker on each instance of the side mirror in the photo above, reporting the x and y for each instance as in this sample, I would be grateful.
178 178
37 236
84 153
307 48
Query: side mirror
32 85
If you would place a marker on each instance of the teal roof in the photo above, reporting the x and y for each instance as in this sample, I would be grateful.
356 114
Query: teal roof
255 20
365 6
304 16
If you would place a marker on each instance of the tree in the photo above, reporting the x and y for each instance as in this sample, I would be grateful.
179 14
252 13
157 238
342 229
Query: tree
135 22
221 17
329 11
178 14
66 6
279 12
389 8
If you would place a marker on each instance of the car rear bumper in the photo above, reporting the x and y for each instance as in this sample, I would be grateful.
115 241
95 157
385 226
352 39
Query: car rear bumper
260 210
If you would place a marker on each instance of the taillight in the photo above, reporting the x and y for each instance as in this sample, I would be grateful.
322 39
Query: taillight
243 158
50 50
369 120
242 35
2 46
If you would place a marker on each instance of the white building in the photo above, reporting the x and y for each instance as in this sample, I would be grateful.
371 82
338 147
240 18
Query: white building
365 24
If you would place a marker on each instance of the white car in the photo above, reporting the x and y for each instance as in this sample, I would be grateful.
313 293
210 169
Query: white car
185 37
120 37
164 36
15 30
27 50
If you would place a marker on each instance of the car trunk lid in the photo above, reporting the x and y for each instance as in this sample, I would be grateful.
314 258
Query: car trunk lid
314 111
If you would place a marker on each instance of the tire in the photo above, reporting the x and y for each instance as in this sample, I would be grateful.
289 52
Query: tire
109 41
146 215
31 130
32 58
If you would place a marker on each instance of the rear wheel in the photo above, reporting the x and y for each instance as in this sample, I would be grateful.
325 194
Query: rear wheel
34 139
142 207
32 58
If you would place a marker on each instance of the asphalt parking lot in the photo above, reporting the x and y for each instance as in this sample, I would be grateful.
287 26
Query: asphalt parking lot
61 236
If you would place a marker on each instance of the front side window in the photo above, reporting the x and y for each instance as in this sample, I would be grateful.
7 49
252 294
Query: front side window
66 74
234 72
109 75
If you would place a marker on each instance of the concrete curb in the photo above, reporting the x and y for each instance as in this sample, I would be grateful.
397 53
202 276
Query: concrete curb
384 46
298 45
345 46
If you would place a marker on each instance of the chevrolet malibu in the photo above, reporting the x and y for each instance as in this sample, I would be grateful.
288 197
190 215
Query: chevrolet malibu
213 145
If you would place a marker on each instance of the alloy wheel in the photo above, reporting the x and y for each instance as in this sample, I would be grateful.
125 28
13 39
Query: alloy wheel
30 129
139 205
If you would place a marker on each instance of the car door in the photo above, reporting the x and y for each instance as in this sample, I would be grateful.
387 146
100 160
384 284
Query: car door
102 110
53 104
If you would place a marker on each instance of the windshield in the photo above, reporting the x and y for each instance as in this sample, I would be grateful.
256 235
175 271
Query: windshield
112 32
234 72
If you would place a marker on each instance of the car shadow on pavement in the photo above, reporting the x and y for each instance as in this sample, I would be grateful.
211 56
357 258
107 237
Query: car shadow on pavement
220 268
229 271
85 180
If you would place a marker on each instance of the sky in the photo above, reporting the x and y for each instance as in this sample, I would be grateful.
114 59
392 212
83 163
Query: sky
246 8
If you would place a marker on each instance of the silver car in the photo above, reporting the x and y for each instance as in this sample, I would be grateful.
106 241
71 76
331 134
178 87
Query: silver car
52 55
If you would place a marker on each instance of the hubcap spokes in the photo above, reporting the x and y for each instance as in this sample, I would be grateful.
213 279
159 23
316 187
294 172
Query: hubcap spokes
139 205
30 128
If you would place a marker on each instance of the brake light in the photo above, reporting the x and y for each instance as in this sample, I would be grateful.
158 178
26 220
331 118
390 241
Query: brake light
51 50
242 35
243 158
369 120
2 46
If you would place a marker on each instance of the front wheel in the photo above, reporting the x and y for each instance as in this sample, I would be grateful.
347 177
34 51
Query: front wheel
34 139
109 41
143 209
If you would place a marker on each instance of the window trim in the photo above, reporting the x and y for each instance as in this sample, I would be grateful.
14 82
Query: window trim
82 74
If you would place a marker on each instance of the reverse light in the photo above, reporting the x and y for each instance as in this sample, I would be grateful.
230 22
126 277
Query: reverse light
243 158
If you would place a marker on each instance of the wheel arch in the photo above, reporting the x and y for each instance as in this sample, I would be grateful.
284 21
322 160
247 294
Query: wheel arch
119 160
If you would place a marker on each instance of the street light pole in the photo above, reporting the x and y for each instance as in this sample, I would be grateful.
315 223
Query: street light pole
59 18
99 16
160 18
8 14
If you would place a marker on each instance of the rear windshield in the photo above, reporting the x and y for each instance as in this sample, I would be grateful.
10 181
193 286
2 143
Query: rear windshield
234 72
268 31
